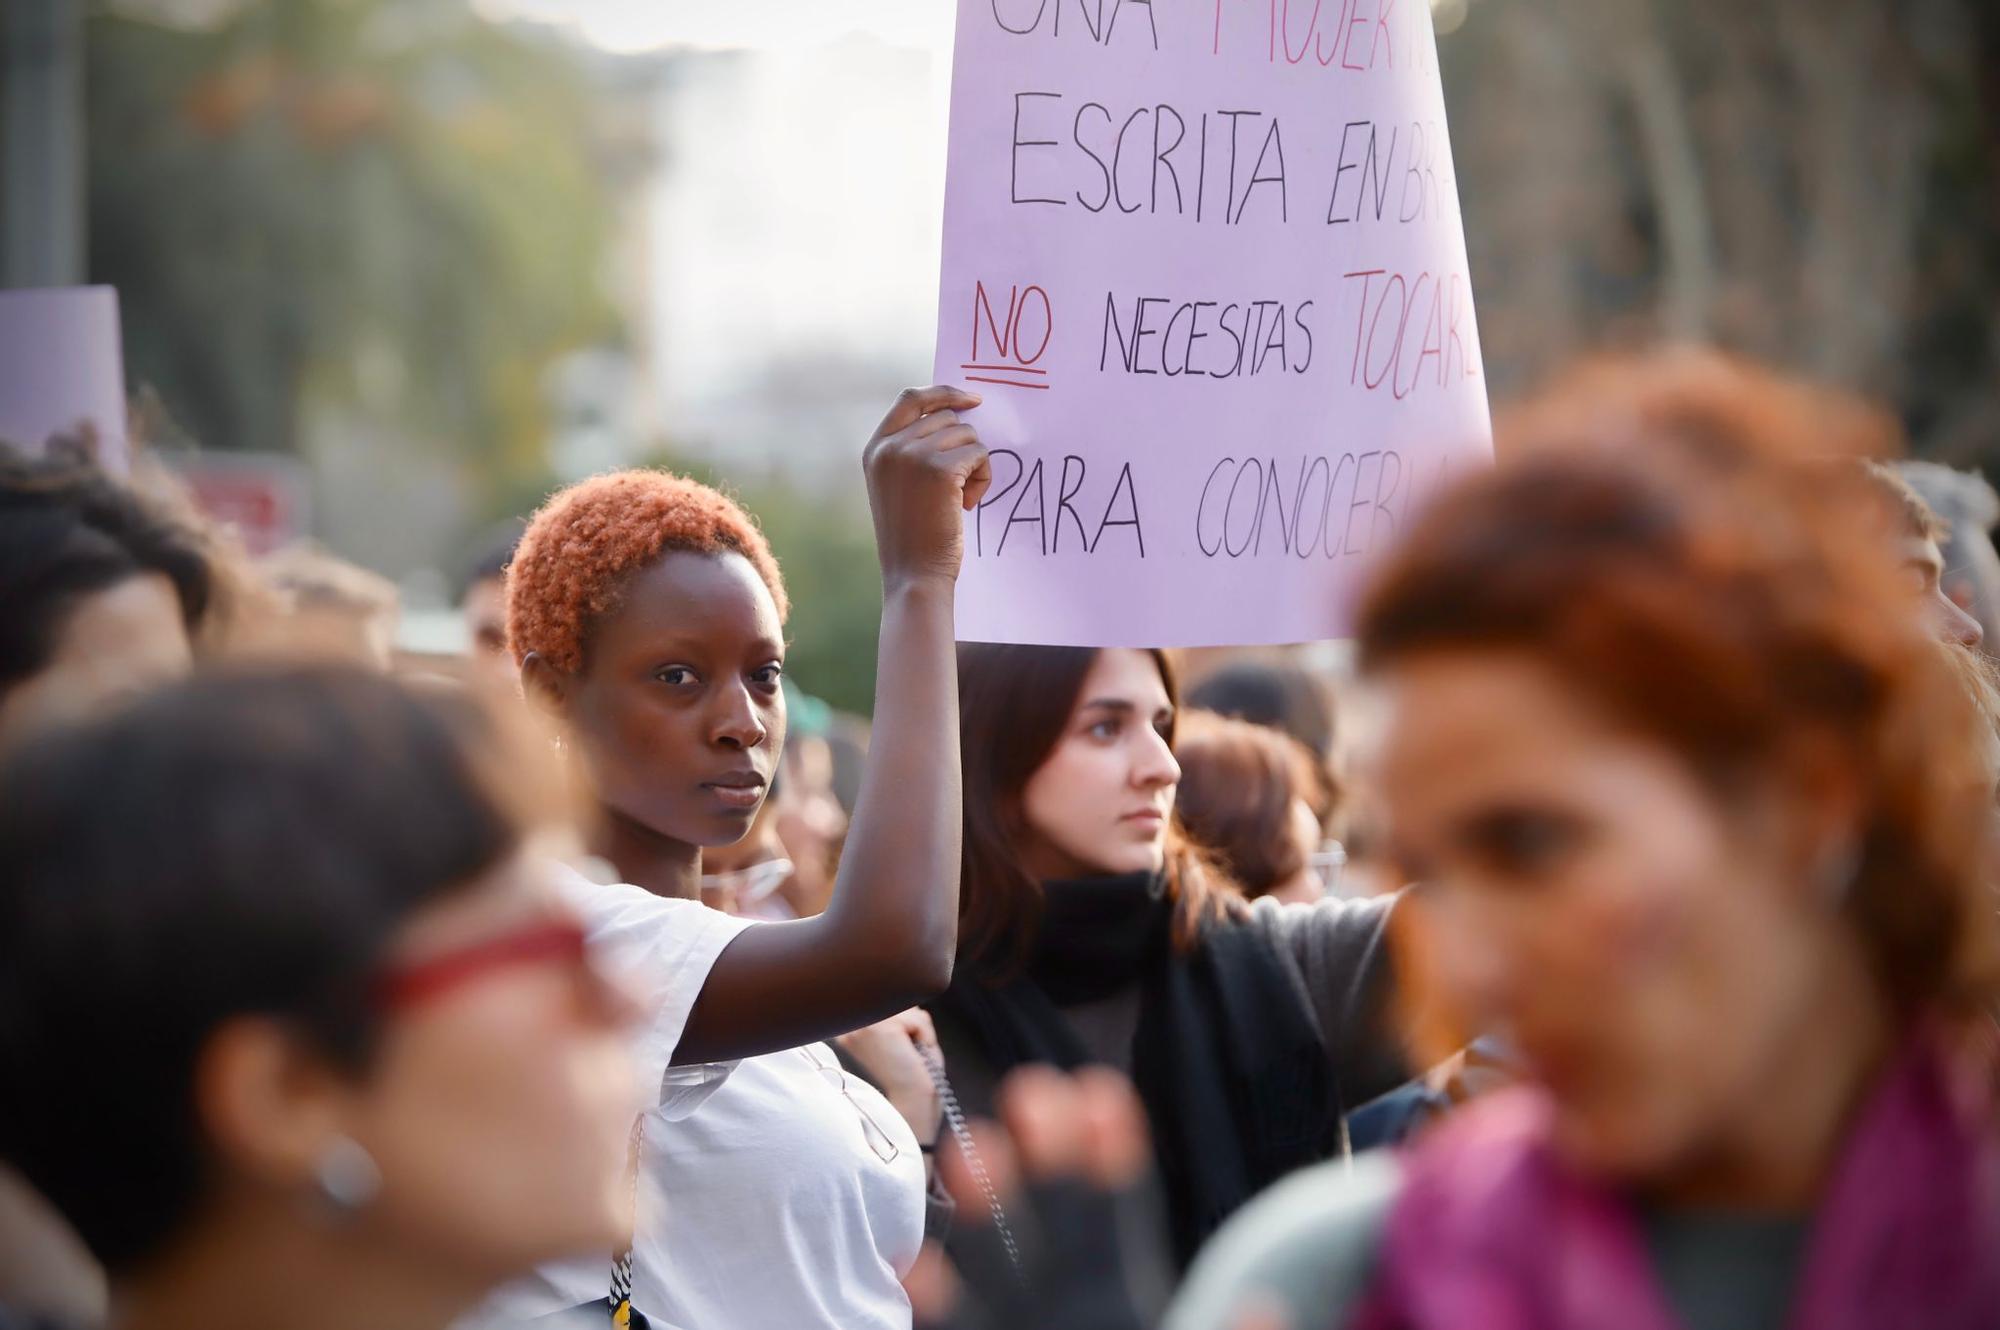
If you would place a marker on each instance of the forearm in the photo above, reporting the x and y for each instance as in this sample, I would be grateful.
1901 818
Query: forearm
895 899
886 941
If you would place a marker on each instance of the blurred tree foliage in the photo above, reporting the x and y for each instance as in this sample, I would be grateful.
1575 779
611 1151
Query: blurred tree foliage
1813 182
387 208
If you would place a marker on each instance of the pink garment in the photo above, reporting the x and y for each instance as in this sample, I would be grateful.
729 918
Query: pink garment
1492 1230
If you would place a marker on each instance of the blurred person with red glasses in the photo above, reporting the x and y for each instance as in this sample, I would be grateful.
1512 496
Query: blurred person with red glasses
293 1027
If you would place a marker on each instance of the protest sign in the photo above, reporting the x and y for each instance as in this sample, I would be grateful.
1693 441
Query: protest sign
1203 260
62 367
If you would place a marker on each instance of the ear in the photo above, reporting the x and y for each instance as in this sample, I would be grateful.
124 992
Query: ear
268 1105
545 686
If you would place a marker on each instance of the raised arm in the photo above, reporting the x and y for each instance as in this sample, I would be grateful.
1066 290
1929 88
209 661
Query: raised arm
887 940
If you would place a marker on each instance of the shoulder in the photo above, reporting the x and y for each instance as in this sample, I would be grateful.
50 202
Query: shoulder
1305 1248
620 915
1328 944
1321 923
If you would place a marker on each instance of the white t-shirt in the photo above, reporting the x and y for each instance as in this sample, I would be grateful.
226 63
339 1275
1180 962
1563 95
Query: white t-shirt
769 1209
666 948
772 1207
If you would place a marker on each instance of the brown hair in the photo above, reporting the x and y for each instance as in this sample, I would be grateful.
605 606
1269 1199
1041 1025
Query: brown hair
1013 704
582 545
1648 537
1239 783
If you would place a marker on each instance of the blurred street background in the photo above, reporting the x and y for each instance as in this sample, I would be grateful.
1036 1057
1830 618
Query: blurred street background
391 269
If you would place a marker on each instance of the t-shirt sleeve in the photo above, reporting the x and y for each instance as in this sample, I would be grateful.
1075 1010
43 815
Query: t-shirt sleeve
1305 1249
665 949
1339 949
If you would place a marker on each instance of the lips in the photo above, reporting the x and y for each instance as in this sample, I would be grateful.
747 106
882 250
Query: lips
740 789
1145 817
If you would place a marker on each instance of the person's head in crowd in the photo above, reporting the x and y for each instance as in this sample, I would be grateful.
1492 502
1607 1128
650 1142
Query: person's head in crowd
334 609
648 617
1246 795
1070 773
1918 537
811 822
289 1017
1969 509
1693 797
482 599
1287 699
101 592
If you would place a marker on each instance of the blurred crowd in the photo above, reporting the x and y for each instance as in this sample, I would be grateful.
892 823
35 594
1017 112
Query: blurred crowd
1613 944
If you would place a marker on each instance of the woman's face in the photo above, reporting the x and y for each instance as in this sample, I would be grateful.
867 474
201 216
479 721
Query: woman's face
1648 953
678 709
498 1103
1100 802
113 643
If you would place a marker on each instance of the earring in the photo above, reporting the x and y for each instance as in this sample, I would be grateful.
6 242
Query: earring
347 1177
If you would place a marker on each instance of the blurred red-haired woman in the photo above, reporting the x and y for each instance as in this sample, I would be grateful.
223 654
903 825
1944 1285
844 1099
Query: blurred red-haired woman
1697 806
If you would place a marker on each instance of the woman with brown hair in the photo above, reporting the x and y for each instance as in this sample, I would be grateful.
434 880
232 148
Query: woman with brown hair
1698 812
1093 932
1246 796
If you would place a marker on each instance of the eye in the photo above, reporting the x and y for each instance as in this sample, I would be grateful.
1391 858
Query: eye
767 676
677 676
1526 844
1107 728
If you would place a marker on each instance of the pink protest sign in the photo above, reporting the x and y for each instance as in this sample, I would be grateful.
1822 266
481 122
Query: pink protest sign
1204 262
62 367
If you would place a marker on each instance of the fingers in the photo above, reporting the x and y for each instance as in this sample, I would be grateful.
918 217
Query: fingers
1039 1106
917 1024
1003 1171
914 403
932 423
1117 1146
978 477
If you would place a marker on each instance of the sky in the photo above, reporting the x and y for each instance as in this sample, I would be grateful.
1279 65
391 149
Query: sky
633 26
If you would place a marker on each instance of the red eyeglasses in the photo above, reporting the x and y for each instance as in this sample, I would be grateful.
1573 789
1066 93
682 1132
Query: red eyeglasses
562 941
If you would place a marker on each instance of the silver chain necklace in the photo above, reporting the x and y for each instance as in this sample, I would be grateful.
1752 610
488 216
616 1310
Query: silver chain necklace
955 1119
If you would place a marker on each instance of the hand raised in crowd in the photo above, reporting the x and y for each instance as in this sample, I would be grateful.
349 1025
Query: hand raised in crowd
892 1052
925 465
1057 1130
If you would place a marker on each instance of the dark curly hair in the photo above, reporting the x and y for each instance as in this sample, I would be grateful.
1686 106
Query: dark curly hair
67 530
582 545
240 843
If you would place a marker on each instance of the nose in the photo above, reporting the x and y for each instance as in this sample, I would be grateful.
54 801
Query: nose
1155 766
1956 625
736 723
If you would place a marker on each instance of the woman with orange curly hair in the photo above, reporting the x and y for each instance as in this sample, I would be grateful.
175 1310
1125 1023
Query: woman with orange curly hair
1696 809
647 615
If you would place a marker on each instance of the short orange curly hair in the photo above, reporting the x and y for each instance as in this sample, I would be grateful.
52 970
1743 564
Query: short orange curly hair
582 544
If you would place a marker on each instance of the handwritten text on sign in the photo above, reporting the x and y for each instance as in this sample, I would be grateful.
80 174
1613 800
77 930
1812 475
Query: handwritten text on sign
1203 260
